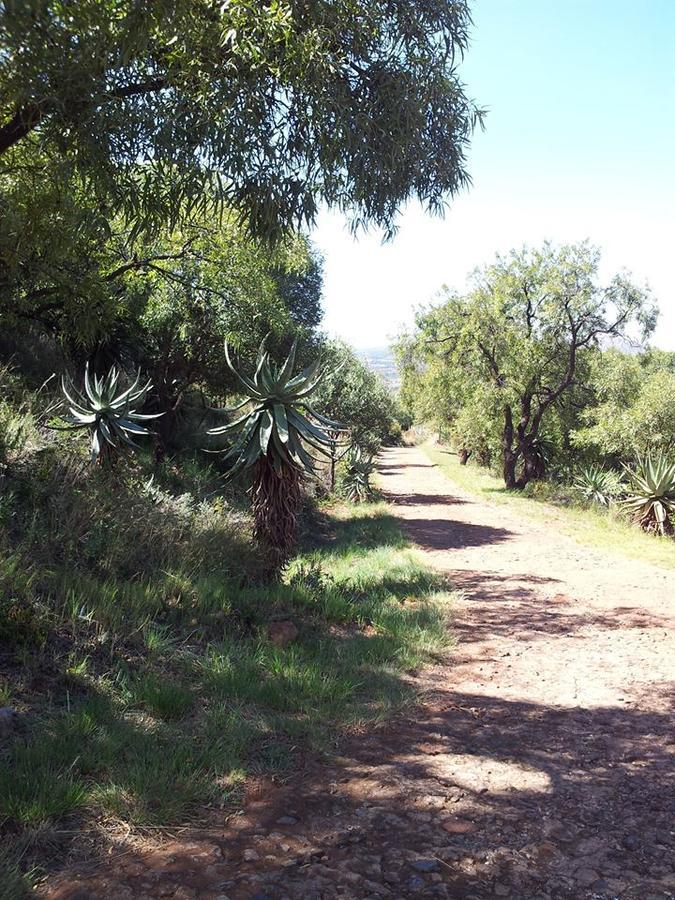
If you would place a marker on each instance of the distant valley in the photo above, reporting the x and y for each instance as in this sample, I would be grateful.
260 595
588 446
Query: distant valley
381 360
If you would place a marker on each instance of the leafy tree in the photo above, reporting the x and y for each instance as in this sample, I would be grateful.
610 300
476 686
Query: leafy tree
634 409
522 335
168 108
357 397
165 304
223 287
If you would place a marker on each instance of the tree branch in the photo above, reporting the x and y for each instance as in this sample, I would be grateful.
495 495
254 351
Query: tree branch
29 116
145 263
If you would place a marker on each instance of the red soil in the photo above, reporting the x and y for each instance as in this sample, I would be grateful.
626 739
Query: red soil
538 764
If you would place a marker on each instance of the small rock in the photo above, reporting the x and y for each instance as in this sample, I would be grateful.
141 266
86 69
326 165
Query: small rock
281 634
631 842
502 890
287 820
250 856
424 865
415 883
457 826
586 877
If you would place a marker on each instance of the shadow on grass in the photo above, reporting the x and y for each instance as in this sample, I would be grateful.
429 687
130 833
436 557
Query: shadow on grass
152 732
540 789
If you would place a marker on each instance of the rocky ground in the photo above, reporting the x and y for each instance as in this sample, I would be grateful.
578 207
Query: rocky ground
538 764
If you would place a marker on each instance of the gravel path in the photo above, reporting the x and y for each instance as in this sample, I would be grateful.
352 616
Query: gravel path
539 764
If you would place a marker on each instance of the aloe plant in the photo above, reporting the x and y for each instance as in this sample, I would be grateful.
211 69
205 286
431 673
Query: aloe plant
598 485
276 439
359 466
651 500
109 412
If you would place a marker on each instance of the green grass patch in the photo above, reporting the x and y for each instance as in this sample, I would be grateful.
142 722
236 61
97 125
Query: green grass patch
596 527
161 694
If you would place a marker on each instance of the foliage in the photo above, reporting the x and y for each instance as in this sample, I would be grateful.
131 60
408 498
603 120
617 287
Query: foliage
597 485
106 410
182 106
355 395
166 302
149 642
272 440
522 337
634 408
359 465
651 498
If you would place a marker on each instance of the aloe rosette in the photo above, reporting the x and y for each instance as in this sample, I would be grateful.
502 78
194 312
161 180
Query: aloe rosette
109 412
651 500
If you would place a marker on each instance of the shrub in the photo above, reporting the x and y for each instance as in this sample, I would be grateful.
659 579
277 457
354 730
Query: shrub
651 500
358 467
597 485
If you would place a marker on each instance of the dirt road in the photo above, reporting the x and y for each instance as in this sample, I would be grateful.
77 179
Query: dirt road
540 763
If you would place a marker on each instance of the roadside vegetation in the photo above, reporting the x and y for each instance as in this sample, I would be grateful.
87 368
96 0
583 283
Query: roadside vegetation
597 525
186 594
135 628
543 375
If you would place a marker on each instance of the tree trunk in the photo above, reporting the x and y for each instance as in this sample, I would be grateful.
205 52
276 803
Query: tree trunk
464 455
276 500
509 455
509 468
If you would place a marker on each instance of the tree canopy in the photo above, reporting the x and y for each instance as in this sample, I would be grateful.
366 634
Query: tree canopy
160 110
632 410
518 341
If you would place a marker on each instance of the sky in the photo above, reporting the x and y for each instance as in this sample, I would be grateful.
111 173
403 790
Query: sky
579 143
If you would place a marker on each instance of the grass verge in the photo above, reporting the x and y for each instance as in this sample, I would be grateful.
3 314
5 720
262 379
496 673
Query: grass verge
588 525
147 701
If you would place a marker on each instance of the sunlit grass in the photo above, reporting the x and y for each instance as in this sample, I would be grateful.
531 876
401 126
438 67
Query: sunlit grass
588 525
171 693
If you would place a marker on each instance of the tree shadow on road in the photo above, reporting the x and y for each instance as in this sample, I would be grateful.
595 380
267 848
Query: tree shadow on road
450 534
486 792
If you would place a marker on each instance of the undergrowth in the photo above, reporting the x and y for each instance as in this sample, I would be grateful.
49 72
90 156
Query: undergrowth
134 643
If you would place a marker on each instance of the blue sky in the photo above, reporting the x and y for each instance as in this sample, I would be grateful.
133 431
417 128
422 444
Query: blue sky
579 143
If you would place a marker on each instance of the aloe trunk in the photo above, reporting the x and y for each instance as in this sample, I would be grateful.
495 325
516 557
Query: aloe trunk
276 497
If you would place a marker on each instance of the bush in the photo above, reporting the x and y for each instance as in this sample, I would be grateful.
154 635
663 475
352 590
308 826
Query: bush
597 485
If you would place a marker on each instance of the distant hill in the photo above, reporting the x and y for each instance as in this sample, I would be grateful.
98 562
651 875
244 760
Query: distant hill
381 360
